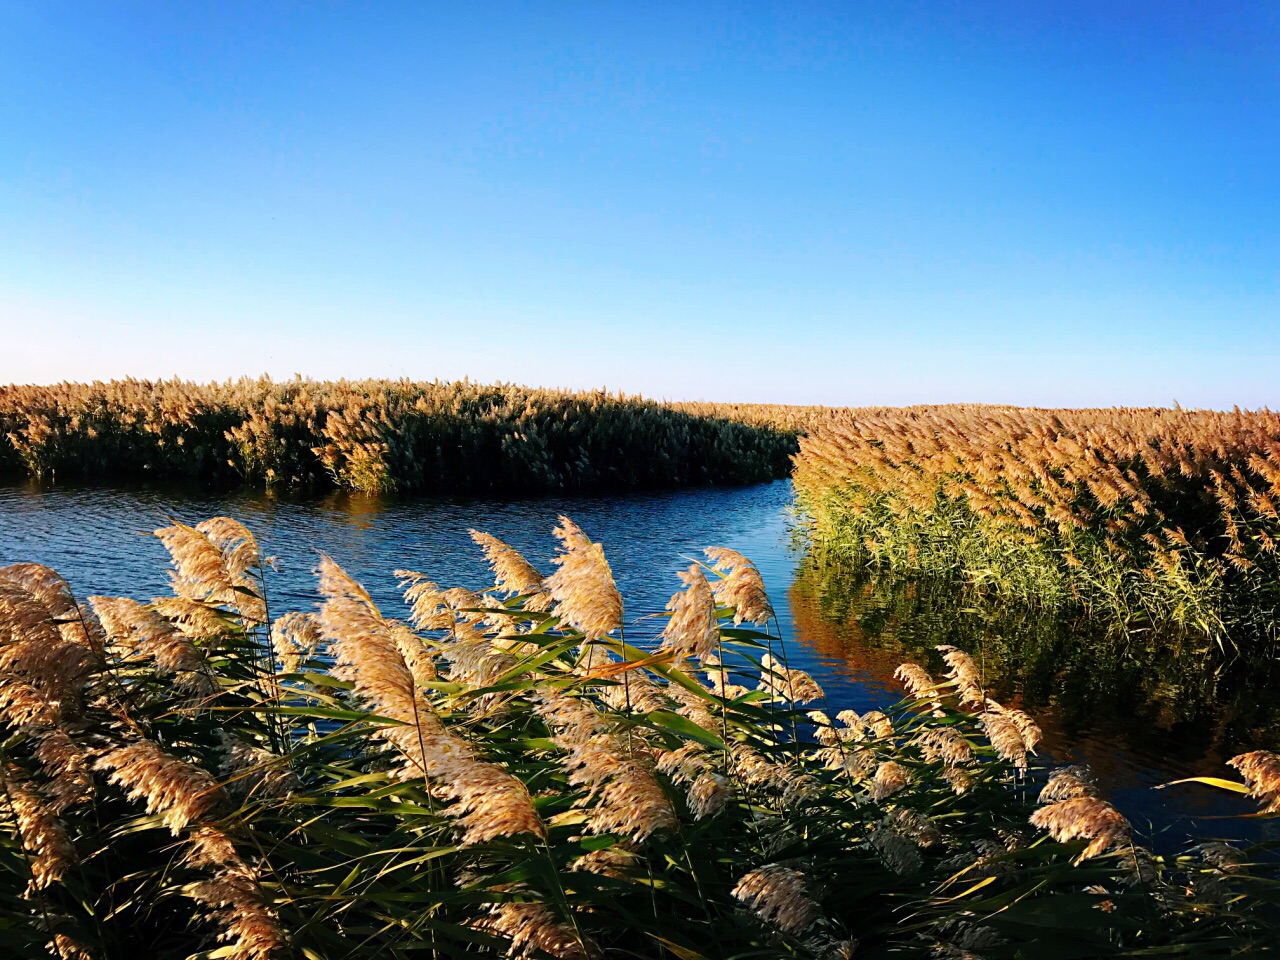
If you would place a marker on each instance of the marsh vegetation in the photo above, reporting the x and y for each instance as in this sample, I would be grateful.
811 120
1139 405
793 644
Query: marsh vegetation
1156 516
379 435
513 772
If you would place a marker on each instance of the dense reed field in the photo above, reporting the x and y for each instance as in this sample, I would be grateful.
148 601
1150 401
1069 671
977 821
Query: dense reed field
1167 514
517 772
382 435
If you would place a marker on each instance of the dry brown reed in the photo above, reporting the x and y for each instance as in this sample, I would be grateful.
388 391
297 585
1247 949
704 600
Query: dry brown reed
513 574
1083 818
233 897
181 792
694 628
1069 783
583 590
295 637
740 587
489 802
777 894
532 929
43 833
792 685
1261 771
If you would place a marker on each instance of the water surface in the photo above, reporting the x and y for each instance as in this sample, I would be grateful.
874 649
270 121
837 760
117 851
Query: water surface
1142 709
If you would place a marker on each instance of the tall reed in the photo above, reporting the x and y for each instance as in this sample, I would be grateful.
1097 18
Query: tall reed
500 773
1169 514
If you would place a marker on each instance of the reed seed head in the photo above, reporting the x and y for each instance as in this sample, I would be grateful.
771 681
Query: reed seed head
890 777
741 587
513 574
708 795
295 638
239 547
1069 783
895 849
694 628
792 685
915 679
583 589
1083 818
945 744
180 791
44 834
249 926
1006 738
1261 770
778 895
138 631
199 568
533 930
68 767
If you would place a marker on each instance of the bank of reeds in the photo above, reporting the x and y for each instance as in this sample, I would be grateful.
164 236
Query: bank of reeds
1165 514
512 773
377 435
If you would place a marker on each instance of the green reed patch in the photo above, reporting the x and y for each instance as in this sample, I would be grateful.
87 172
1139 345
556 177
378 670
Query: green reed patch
514 773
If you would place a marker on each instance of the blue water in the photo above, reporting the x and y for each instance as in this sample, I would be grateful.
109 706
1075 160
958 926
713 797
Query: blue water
97 538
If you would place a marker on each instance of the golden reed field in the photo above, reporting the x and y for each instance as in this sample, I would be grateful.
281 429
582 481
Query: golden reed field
1164 513
378 435
524 772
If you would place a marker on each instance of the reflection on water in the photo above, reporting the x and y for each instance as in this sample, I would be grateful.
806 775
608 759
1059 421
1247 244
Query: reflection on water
1141 709
96 537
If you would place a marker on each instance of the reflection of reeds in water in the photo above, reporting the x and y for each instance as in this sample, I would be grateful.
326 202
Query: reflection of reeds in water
1121 509
376 435
502 774
1102 697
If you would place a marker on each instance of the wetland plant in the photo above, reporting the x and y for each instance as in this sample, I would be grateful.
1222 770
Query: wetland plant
379 435
1167 516
514 772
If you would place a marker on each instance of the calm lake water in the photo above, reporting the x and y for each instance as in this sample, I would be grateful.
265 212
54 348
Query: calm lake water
1137 712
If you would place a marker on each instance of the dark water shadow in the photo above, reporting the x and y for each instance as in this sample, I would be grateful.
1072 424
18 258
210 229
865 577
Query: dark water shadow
1141 707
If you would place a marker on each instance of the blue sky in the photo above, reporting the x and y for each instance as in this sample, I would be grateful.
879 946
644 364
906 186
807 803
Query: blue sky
1040 203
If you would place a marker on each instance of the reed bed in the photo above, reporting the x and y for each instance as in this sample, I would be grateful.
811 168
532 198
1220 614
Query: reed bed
1169 515
378 435
522 772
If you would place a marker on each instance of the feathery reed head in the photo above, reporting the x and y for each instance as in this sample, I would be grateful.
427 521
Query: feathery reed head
1261 770
44 835
532 930
199 568
583 589
740 586
1069 783
694 628
784 683
513 574
778 895
181 792
295 637
1083 818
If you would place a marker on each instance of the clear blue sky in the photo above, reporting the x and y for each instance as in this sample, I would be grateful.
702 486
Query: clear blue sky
1048 203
